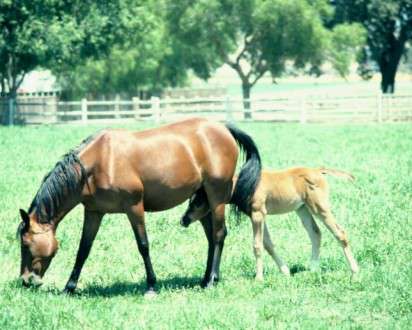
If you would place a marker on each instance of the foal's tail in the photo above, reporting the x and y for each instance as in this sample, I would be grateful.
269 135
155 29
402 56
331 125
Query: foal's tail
337 173
249 175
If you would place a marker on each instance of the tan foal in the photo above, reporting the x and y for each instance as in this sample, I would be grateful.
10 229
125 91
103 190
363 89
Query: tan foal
303 190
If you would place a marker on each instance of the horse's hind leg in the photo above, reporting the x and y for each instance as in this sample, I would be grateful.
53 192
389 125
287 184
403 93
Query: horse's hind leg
136 218
268 245
217 195
206 222
219 233
91 225
314 234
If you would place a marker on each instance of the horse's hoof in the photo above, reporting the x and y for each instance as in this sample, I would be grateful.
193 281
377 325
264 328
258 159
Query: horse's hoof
150 294
69 288
208 283
68 291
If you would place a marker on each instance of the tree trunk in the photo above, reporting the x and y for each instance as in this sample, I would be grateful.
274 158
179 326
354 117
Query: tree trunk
388 73
388 65
246 87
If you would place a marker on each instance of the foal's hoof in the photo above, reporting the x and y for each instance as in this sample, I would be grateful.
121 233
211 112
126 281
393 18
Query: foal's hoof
285 270
150 294
314 266
355 277
259 278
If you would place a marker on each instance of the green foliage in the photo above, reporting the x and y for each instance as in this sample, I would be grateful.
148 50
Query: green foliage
346 44
266 36
389 27
143 59
51 33
375 211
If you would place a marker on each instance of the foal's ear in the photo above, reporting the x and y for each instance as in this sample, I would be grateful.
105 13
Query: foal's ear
25 217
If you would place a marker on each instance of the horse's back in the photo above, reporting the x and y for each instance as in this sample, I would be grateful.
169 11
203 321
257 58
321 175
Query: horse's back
166 164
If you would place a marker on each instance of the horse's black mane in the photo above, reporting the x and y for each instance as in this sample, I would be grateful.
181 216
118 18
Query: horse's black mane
65 180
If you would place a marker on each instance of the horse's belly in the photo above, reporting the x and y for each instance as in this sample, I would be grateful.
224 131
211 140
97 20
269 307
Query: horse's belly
164 199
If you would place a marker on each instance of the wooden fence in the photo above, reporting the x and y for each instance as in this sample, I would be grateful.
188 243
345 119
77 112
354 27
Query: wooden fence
304 109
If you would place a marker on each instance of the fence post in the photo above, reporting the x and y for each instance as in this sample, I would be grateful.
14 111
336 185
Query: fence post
11 111
84 111
303 112
155 102
228 109
136 101
379 106
117 106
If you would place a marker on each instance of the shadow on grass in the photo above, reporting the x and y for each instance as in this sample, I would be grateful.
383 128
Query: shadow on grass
297 268
131 288
324 268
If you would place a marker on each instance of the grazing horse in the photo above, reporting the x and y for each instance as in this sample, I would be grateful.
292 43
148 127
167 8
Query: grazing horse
303 190
118 171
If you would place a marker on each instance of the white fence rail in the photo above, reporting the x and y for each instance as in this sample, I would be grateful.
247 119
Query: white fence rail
304 109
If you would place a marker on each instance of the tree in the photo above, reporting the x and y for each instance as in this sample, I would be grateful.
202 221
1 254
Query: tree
35 33
143 61
264 36
389 27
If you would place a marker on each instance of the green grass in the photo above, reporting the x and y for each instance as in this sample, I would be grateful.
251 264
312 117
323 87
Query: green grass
375 211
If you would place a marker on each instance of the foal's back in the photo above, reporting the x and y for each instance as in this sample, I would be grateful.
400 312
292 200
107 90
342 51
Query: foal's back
283 191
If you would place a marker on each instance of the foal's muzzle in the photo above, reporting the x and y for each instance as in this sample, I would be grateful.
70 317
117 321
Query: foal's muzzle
31 280
185 221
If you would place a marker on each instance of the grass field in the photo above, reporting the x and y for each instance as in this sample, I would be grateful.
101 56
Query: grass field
375 211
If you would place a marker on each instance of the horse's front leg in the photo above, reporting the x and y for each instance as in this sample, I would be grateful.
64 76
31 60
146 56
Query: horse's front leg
92 221
136 218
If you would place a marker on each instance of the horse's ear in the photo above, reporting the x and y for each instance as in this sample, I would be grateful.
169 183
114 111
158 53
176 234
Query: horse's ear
25 217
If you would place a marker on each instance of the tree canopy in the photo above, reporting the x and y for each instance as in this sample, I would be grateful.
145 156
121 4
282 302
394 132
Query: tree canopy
255 37
36 33
120 47
389 27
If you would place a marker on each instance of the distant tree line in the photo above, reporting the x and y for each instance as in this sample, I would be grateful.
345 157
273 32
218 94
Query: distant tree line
103 48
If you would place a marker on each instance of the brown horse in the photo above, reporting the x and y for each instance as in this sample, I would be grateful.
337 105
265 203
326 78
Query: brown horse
118 171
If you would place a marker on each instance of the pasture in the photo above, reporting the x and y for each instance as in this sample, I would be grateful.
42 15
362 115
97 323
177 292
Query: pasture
375 211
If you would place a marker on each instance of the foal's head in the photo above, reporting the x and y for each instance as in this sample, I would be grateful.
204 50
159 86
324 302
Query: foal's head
198 207
38 247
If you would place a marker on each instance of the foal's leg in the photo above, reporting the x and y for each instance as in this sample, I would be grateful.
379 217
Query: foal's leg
257 224
340 234
92 221
318 203
268 245
136 218
314 234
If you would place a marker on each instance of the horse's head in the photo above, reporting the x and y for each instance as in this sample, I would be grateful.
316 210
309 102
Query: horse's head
197 209
38 247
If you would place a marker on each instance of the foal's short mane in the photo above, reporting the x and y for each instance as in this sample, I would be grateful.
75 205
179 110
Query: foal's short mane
65 180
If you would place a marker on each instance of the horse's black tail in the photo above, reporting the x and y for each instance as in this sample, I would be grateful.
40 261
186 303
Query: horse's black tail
249 175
